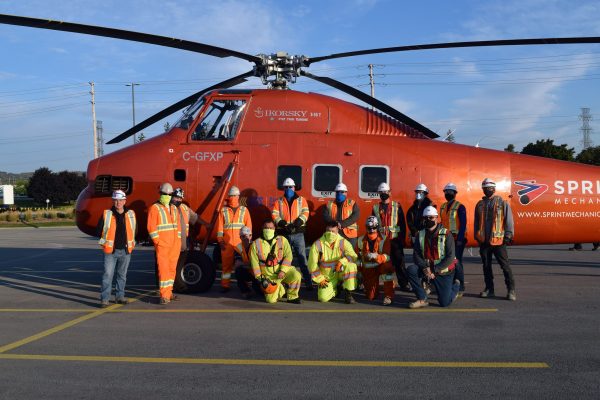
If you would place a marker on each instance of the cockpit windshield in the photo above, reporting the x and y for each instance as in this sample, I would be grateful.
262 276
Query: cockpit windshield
190 114
221 120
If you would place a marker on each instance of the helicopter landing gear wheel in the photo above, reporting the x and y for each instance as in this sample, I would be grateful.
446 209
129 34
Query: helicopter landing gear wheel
197 275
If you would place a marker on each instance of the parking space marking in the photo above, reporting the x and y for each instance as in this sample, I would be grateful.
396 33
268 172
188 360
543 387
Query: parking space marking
254 310
278 363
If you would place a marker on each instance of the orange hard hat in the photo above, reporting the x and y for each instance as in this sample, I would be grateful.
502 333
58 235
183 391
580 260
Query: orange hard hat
267 286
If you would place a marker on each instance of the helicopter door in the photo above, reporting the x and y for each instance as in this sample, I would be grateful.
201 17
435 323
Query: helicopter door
221 121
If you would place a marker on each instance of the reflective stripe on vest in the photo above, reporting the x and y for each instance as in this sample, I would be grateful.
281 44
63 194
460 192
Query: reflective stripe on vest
107 240
441 245
329 264
392 229
497 233
450 217
278 252
166 223
233 223
364 249
299 209
185 212
347 206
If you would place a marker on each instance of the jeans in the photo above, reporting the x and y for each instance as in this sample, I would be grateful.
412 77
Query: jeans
460 272
119 259
486 251
397 256
244 276
445 287
299 250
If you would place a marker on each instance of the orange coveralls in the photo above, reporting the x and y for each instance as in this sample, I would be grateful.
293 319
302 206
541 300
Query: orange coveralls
165 231
228 235
372 269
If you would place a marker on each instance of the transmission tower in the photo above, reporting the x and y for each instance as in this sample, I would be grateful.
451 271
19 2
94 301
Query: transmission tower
585 118
99 138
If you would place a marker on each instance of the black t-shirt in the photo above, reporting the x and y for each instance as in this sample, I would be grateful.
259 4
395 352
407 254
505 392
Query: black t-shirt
120 231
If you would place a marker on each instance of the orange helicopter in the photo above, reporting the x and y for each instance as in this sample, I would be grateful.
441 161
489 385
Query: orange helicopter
257 138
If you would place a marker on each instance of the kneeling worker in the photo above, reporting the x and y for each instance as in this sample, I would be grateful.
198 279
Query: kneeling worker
374 256
271 262
433 254
243 270
331 261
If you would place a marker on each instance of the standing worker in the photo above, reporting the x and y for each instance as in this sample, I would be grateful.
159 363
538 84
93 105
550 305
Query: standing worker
414 215
290 213
231 219
345 212
454 218
164 229
375 261
331 262
494 229
187 217
271 262
433 254
392 225
243 270
117 229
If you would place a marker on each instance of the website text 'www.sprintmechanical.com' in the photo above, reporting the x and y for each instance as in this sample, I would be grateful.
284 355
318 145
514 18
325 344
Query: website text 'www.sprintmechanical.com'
558 214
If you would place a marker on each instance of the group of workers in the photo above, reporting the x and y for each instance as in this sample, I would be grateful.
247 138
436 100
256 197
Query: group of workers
339 261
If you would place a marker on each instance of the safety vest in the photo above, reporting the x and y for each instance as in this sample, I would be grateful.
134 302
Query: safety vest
387 221
231 222
331 263
497 233
239 248
441 248
167 221
185 212
450 217
107 240
263 249
351 230
281 210
363 249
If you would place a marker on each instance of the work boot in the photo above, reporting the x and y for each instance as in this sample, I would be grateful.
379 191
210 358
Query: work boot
104 304
348 299
163 301
512 295
297 300
486 293
121 300
174 298
418 304
387 301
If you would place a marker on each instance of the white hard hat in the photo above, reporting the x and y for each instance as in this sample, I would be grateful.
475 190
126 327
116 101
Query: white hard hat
289 182
245 231
487 182
340 187
421 187
430 211
166 188
234 191
372 222
450 186
119 195
383 187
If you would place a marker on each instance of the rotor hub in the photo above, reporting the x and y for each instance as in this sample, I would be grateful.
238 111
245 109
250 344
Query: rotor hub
279 69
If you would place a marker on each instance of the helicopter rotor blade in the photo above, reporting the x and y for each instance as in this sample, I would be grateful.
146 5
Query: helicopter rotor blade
481 43
179 105
126 35
392 112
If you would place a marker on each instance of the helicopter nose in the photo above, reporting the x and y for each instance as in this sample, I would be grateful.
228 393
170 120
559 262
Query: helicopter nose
82 211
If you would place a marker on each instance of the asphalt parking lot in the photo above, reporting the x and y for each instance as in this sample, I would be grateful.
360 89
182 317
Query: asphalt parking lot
56 342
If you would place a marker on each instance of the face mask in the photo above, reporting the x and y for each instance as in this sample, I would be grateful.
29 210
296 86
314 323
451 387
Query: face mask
372 235
164 199
489 192
429 223
384 196
289 193
330 237
268 234
449 196
340 197
234 201
176 203
420 196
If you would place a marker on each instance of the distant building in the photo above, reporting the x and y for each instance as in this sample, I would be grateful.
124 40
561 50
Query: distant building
7 195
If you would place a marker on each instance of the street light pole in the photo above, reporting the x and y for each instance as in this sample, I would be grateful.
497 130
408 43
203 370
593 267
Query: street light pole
133 85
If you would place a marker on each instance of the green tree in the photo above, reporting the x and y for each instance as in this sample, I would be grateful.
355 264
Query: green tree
42 186
167 126
450 136
510 148
547 148
72 183
58 188
591 155
141 137
21 187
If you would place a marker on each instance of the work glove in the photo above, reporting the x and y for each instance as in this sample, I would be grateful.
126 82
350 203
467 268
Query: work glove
281 224
290 228
324 284
508 240
372 256
281 275
339 267
298 223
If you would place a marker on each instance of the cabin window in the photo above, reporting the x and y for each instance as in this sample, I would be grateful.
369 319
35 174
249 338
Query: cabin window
179 175
371 176
221 121
325 178
190 114
289 171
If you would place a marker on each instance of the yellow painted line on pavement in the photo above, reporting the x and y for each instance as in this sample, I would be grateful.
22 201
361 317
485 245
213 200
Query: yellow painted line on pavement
250 310
61 327
277 363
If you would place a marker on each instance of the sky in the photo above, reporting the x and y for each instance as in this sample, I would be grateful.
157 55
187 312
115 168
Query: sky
489 96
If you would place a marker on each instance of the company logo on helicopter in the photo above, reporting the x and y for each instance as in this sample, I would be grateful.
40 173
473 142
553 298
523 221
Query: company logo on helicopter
530 191
259 113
